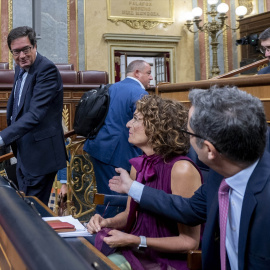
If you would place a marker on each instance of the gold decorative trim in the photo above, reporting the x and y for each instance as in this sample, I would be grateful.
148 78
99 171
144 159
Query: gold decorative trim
65 115
10 25
0 31
68 28
225 51
206 42
140 24
77 33
85 36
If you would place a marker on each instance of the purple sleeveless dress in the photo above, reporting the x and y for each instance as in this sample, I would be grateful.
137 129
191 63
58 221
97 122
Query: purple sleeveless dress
153 172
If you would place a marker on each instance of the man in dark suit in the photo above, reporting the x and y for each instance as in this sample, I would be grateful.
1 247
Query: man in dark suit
264 37
111 149
227 129
34 116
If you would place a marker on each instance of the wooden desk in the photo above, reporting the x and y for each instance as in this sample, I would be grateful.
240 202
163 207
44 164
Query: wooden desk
79 244
27 242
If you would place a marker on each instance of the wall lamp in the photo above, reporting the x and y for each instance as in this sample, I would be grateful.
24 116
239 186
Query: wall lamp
215 27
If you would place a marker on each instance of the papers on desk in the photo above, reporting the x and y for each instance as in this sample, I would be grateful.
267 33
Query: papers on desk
80 229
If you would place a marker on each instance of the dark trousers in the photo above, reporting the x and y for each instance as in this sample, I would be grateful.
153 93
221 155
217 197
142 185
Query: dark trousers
38 186
103 173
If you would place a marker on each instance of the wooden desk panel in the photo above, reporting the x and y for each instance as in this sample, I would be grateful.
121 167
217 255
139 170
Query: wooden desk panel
258 85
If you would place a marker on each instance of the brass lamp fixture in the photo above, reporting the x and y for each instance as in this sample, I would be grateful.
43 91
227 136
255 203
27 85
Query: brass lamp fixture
215 27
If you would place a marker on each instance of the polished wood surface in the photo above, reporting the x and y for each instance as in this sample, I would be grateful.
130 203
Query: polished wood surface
9 257
242 69
257 85
81 239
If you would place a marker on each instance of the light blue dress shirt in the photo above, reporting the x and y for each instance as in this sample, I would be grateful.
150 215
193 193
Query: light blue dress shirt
238 184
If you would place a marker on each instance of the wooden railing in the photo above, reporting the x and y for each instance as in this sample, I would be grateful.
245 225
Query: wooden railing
242 69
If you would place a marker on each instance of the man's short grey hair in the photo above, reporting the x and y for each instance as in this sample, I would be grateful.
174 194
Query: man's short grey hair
136 65
265 34
232 120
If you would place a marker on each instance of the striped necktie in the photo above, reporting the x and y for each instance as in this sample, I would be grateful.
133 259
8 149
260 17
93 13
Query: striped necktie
223 200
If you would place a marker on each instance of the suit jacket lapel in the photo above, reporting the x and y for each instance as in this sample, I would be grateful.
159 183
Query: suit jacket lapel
28 80
11 98
255 185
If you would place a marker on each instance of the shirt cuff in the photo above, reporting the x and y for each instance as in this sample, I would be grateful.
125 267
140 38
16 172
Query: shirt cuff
63 181
1 142
136 191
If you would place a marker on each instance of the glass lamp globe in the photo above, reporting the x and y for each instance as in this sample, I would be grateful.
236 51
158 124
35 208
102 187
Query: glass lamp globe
197 12
212 2
189 16
222 8
241 11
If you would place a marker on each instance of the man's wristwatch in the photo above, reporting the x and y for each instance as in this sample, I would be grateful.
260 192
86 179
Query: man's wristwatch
143 244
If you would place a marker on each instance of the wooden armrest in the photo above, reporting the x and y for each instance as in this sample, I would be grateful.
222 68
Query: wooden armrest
112 200
99 198
194 260
6 157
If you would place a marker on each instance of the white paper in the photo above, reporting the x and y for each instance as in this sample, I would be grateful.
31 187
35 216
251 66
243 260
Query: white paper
80 229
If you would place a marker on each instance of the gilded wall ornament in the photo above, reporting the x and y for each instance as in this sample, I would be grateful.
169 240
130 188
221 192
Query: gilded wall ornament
248 4
140 24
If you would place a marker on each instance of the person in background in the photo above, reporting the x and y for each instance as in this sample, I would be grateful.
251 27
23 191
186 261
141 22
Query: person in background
227 129
111 149
264 38
155 130
62 174
34 115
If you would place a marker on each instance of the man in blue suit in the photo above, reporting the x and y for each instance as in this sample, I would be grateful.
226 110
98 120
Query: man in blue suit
264 37
227 129
111 149
34 116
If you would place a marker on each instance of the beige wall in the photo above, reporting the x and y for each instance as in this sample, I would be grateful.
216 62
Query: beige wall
96 24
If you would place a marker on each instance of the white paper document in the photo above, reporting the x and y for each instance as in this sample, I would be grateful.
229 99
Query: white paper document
80 229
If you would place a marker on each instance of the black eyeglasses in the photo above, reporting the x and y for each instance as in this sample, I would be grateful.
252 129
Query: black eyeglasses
198 136
192 134
25 50
264 49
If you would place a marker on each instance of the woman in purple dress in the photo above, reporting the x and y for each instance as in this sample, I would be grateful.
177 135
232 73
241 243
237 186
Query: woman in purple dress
142 240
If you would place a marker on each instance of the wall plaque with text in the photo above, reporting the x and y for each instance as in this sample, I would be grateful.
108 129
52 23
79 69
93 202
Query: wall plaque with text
141 13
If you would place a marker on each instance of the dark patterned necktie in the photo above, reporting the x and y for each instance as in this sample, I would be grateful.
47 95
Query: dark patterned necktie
17 95
223 200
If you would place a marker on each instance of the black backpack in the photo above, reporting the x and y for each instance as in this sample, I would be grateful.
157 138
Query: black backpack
91 111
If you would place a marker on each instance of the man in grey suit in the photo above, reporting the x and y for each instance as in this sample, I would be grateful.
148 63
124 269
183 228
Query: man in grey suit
111 149
34 116
227 129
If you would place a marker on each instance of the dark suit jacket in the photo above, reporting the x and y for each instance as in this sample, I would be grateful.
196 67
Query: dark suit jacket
111 145
254 244
265 70
37 134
